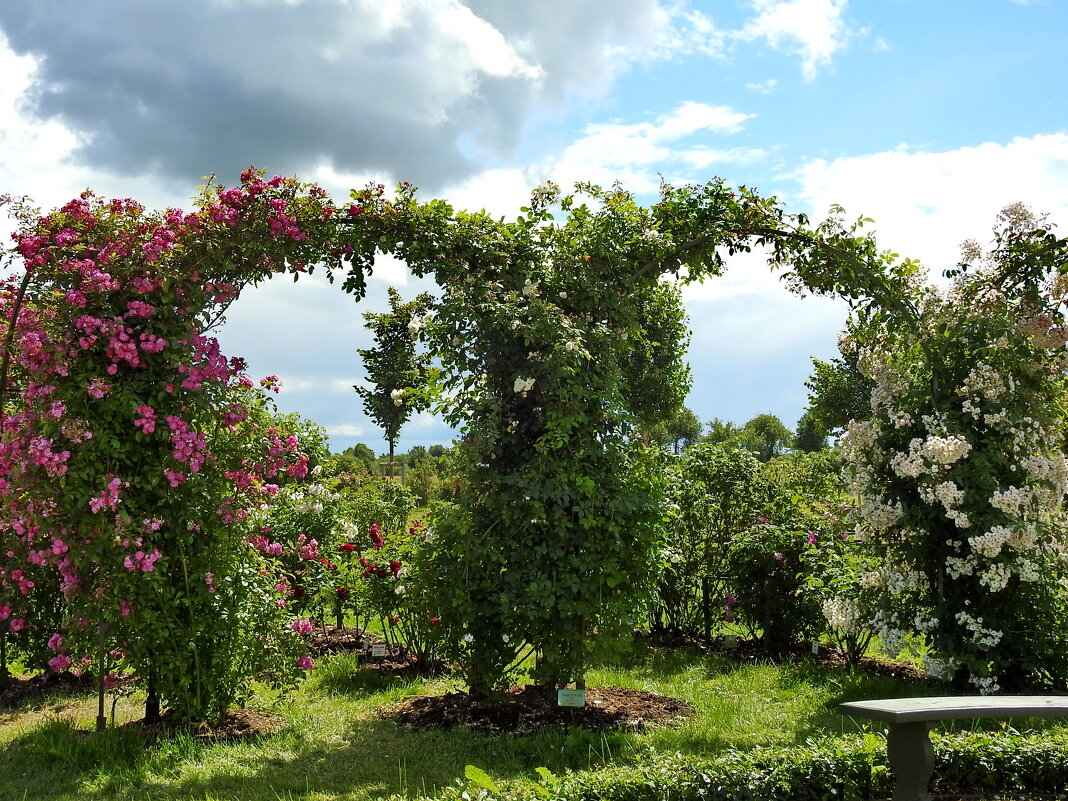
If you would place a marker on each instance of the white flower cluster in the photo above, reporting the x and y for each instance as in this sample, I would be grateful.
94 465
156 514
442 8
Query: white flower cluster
523 385
841 614
957 566
986 382
941 669
984 638
415 325
946 450
924 454
398 397
530 289
902 581
545 193
875 516
991 543
987 685
1028 570
1011 500
996 577
945 492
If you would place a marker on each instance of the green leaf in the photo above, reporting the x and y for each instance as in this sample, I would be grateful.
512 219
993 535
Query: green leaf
481 778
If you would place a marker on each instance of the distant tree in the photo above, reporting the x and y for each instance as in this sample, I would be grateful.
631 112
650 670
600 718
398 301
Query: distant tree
679 431
416 452
721 432
838 393
766 436
437 451
362 452
811 434
397 372
357 458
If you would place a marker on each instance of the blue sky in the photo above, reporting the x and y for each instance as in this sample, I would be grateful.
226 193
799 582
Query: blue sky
927 116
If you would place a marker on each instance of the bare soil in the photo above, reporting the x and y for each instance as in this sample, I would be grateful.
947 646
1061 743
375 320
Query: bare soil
522 710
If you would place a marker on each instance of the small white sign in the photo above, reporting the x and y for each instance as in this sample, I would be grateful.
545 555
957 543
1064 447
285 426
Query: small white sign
816 647
378 649
730 641
575 698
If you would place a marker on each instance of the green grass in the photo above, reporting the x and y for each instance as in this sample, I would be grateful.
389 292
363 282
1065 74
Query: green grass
336 747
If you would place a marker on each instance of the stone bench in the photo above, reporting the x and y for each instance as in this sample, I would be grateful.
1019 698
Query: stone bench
908 746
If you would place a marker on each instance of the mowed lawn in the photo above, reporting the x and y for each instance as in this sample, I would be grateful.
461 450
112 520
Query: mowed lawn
335 746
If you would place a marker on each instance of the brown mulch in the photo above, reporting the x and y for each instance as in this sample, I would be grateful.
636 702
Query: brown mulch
237 724
332 640
522 710
23 691
751 649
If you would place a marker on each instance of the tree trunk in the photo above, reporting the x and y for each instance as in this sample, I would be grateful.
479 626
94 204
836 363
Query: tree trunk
152 700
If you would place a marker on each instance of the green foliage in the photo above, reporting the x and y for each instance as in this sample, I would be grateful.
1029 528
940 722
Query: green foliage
423 479
679 431
753 543
811 434
766 436
653 367
722 432
397 373
716 492
854 769
837 393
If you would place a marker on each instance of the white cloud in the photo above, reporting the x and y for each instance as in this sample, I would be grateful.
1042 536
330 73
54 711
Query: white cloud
765 88
355 86
811 29
346 430
926 203
635 154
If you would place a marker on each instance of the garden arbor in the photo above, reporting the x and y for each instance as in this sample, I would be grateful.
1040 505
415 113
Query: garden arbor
135 460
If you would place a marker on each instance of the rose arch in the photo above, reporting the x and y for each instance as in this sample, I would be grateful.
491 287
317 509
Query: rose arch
135 457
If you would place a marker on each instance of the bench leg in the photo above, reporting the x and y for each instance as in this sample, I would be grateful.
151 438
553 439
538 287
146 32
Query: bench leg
911 759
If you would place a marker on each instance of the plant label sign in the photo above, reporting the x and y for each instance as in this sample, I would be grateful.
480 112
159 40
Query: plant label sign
576 698
816 647
378 649
731 641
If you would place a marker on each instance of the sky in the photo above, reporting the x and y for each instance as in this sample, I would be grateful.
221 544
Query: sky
927 116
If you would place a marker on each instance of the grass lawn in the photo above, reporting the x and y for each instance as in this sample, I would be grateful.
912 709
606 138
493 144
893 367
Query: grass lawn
335 747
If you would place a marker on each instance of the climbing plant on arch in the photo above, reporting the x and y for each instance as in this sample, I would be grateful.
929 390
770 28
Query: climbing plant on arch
134 464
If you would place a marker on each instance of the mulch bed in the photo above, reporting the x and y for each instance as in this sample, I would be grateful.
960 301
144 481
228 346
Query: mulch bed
21 692
752 650
332 640
522 710
237 724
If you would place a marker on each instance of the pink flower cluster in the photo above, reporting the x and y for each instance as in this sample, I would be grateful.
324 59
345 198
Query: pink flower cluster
309 549
141 561
190 447
264 545
107 498
92 358
146 419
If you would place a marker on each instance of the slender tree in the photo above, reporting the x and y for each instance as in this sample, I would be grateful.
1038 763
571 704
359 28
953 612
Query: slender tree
395 369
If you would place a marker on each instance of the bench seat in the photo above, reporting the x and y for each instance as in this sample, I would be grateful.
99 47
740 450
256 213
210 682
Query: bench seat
908 744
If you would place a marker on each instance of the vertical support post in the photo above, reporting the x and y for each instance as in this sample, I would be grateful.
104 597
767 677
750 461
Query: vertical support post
911 757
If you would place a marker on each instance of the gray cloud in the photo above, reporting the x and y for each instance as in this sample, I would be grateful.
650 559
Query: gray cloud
418 89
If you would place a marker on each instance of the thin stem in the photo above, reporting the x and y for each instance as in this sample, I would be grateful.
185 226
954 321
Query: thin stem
5 365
